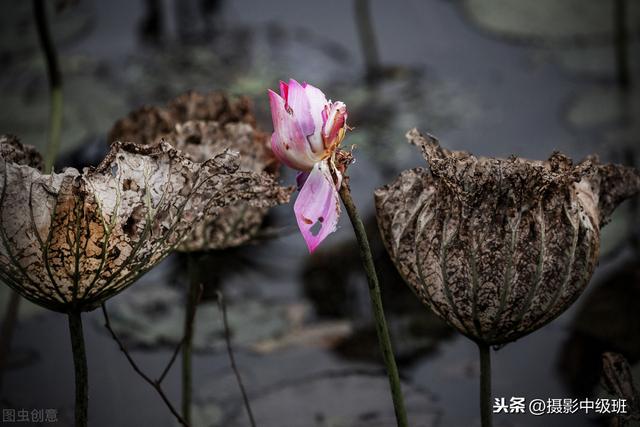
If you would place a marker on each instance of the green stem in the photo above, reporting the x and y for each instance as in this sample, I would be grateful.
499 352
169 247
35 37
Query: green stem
80 365
187 347
376 304
55 84
485 384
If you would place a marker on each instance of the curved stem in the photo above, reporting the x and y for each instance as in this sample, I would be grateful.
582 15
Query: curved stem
232 359
376 304
156 384
55 83
80 365
189 325
485 384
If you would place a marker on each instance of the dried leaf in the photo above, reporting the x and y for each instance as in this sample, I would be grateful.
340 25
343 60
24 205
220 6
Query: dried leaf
498 247
69 241
617 380
203 126
13 151
149 123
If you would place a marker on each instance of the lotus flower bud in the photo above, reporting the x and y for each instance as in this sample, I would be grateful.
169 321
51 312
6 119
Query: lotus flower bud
498 247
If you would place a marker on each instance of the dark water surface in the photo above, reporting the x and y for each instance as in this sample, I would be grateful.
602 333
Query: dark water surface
301 325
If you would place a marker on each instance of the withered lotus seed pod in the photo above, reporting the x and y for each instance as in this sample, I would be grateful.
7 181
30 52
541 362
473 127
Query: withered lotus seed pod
498 247
201 126
13 151
70 240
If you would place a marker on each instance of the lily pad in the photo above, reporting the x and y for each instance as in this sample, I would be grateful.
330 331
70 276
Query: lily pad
153 315
335 398
546 21
595 61
602 106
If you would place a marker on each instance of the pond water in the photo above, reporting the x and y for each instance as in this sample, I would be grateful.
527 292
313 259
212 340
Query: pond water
486 76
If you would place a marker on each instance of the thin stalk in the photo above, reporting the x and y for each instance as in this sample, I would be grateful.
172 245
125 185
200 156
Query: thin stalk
80 365
485 384
367 38
621 43
55 128
193 293
232 359
376 304
156 384
55 83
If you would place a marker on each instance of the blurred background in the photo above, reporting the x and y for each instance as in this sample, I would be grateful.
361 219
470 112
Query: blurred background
493 77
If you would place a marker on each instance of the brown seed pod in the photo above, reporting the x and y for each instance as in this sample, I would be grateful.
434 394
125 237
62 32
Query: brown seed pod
149 123
202 126
498 247
70 240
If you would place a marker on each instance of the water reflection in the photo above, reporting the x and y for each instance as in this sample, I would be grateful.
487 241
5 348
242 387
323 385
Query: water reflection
607 321
335 284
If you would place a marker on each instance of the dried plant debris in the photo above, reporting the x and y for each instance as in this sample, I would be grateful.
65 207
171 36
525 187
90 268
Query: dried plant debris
11 150
202 126
617 380
70 240
149 123
498 247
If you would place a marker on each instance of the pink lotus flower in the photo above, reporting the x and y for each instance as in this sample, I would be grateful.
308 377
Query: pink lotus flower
308 130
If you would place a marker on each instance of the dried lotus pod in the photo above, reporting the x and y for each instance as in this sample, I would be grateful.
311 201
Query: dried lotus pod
11 150
202 126
238 223
70 240
149 123
498 247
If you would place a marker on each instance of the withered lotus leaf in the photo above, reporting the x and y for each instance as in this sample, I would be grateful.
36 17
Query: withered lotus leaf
145 125
498 247
202 126
13 151
70 240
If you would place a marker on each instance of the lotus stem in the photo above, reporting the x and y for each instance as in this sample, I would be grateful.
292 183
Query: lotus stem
55 128
485 384
232 359
621 43
367 37
80 365
193 296
55 84
384 339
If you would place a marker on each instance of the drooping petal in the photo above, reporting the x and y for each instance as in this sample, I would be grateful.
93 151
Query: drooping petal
317 207
301 178
287 142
